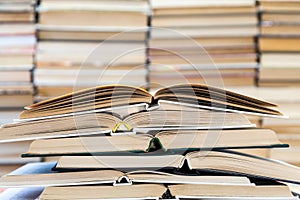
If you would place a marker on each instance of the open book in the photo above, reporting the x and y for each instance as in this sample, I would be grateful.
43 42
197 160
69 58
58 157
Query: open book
159 191
177 141
114 124
42 175
219 162
120 97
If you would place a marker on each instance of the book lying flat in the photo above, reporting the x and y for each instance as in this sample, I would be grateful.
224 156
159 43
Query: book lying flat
94 33
41 175
224 162
157 191
114 124
83 14
177 140
110 97
279 44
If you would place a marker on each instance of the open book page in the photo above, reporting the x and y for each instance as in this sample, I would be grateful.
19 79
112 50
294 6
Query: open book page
232 162
177 140
105 97
112 177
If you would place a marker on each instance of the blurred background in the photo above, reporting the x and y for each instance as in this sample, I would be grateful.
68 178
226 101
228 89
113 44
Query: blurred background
253 46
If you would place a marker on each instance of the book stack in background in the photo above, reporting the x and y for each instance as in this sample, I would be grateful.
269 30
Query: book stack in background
279 73
202 42
69 53
279 43
17 45
213 42
128 144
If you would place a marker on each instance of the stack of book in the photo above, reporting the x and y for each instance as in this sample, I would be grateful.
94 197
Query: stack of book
17 44
280 68
280 43
120 142
203 42
85 47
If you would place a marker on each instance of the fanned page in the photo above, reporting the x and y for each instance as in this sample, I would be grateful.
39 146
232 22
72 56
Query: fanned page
114 96
109 96
231 162
208 97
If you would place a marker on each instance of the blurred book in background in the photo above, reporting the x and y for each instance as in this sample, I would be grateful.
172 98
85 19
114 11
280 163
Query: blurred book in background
85 47
203 42
17 43
280 43
17 46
